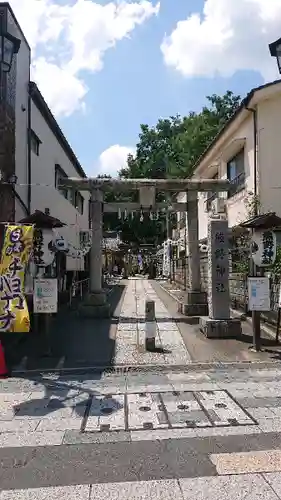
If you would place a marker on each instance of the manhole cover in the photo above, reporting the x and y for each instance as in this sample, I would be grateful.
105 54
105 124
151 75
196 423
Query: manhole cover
145 408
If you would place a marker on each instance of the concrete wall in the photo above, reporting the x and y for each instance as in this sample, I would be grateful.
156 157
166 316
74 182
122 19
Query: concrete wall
45 195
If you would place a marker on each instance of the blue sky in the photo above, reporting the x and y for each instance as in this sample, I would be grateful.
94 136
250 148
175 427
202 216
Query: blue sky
138 79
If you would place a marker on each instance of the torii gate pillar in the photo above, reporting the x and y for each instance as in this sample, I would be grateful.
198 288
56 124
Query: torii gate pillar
195 303
96 304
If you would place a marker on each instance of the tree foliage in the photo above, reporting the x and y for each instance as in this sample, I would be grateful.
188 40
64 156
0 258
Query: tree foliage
173 146
171 149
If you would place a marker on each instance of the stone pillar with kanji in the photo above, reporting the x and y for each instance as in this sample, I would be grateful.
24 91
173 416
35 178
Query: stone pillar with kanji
219 323
218 264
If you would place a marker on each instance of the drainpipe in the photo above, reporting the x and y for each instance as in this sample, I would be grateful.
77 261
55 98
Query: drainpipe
256 317
29 153
255 124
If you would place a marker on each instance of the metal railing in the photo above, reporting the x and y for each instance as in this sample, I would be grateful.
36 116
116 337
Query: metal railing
78 289
237 184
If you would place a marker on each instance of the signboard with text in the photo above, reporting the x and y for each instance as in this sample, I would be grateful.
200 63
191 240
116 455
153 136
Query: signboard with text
45 296
259 294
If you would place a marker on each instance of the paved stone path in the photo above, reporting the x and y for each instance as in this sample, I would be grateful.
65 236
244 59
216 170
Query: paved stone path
209 433
130 336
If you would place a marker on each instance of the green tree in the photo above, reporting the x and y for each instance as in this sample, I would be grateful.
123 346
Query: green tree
170 149
173 146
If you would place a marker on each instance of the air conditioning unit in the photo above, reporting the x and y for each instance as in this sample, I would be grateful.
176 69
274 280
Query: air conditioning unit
218 206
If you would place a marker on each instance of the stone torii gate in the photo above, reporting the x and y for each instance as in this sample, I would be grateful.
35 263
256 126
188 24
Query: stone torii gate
95 304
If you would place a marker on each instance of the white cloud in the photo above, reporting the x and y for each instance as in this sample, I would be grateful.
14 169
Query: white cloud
231 35
69 38
113 159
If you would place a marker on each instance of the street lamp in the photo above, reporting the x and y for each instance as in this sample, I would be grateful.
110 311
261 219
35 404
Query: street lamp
9 45
275 51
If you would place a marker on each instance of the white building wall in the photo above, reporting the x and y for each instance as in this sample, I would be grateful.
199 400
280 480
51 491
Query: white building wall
44 193
236 207
21 115
269 126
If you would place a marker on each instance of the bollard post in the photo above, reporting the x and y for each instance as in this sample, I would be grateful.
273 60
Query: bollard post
150 325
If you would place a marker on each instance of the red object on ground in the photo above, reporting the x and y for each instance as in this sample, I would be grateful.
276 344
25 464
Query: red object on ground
3 366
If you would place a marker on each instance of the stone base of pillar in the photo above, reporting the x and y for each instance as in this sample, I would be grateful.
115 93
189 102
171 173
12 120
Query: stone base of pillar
220 328
195 304
95 305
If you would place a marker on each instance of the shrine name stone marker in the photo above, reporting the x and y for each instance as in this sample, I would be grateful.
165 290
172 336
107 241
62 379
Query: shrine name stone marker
218 264
219 324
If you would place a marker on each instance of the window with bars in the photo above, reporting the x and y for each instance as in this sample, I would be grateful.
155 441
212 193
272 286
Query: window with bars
236 172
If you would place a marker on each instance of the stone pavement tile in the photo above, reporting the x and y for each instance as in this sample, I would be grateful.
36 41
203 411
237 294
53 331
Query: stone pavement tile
187 418
153 380
162 434
33 407
228 431
177 357
7 412
270 425
247 462
126 354
18 425
80 492
189 377
109 384
179 401
274 480
258 413
239 393
14 398
276 411
168 326
47 413
76 437
269 402
124 327
260 392
61 424
152 358
191 386
230 386
19 386
144 412
106 414
16 439
250 487
138 490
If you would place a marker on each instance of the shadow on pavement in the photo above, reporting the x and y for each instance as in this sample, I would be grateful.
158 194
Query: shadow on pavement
64 399
72 341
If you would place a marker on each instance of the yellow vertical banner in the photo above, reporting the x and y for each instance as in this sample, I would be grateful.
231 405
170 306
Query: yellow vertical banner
17 247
